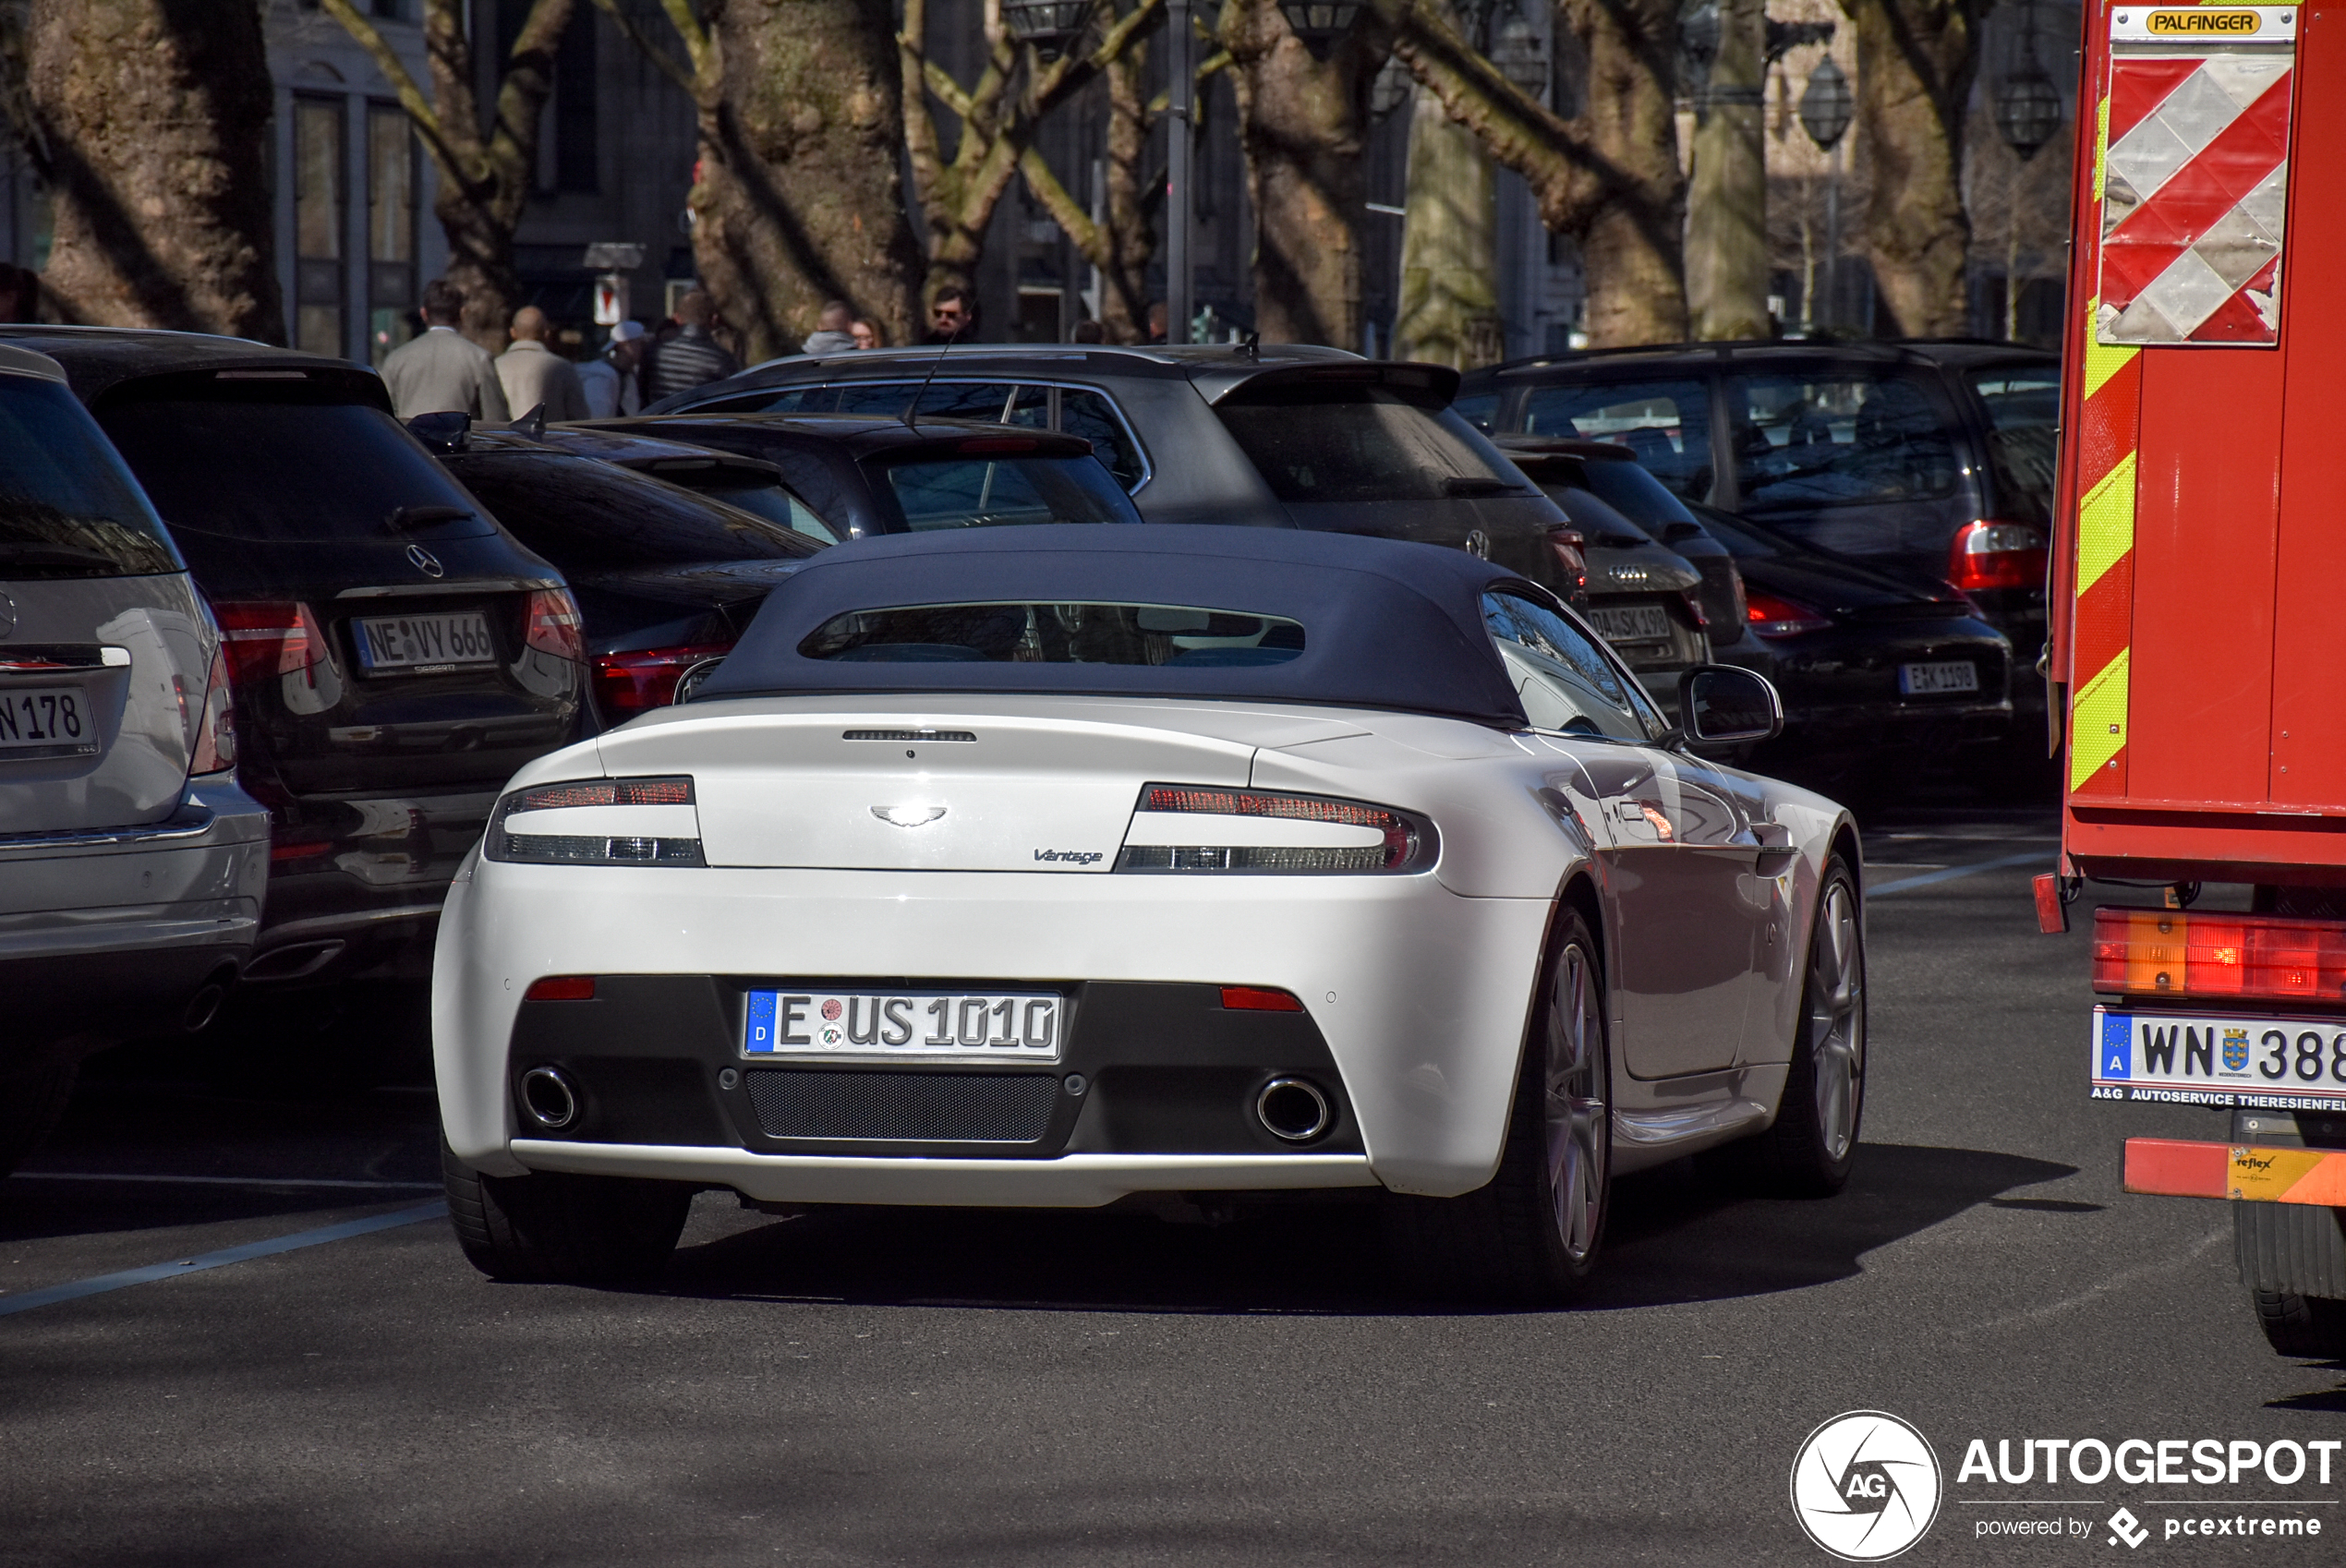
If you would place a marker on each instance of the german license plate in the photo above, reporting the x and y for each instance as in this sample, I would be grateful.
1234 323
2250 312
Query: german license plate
1935 678
968 1025
48 721
1631 623
2213 1059
425 642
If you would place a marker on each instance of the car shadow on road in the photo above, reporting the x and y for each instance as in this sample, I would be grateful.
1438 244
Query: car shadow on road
1677 1236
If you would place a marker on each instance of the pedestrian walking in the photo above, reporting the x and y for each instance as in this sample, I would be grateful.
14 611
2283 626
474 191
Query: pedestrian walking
534 376
609 378
443 371
693 358
834 331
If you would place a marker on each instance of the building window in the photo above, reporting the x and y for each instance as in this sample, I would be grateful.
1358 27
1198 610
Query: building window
574 106
318 224
391 228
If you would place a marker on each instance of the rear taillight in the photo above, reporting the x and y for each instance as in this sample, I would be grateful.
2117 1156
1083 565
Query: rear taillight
630 683
1693 600
1773 616
553 624
597 822
1571 546
2171 953
1987 554
269 638
1183 827
215 737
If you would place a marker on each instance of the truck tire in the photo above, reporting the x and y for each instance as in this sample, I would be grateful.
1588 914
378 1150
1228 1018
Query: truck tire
554 1228
2309 1326
1531 1233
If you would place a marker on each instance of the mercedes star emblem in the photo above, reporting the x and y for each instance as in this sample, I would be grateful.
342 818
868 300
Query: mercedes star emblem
426 562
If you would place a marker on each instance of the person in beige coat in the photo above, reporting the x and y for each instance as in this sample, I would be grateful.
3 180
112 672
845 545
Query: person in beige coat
535 376
444 371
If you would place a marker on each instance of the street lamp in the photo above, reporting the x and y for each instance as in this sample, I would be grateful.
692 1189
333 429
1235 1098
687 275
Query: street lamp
1048 25
1699 32
1825 105
1319 23
1521 58
2027 109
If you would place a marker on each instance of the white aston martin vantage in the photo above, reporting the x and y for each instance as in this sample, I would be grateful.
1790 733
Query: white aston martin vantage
1049 866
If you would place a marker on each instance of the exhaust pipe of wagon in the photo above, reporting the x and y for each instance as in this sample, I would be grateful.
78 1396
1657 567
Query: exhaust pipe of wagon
549 1099
1293 1109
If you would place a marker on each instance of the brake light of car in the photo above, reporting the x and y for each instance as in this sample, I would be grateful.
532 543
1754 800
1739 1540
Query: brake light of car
269 638
560 988
642 679
1693 599
1771 615
1185 828
215 728
1989 554
997 443
1259 999
554 625
597 822
1571 547
2171 953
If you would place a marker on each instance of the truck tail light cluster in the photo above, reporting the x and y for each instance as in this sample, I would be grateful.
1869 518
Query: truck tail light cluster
1987 554
2262 958
638 682
1184 827
597 822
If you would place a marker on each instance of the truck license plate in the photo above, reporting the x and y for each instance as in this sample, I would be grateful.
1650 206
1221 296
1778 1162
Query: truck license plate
2213 1059
1934 679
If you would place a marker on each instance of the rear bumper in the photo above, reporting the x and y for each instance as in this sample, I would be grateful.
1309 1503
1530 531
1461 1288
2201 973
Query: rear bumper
106 935
355 884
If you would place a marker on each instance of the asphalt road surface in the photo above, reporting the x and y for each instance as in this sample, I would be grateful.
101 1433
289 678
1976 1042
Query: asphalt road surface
959 1388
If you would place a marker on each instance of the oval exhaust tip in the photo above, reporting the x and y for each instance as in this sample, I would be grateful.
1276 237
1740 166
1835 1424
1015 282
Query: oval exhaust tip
1293 1109
549 1099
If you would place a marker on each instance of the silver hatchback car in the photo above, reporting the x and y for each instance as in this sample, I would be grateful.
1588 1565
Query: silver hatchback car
132 867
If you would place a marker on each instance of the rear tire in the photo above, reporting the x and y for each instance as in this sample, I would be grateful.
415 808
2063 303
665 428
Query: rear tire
1811 1149
2309 1326
554 1228
1532 1233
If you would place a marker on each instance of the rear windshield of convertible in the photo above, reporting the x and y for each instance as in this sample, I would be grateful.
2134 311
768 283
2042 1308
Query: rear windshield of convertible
1006 632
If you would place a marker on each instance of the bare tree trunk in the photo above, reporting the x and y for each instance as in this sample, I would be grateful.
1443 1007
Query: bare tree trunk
486 171
1916 62
1727 196
148 121
1301 124
1609 176
1133 201
1449 307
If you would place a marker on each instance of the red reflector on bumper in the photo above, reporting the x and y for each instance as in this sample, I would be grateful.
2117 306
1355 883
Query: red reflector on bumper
1259 999
2052 914
2170 1168
560 988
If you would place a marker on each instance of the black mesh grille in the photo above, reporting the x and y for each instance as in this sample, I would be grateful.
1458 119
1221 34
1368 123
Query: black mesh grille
937 1107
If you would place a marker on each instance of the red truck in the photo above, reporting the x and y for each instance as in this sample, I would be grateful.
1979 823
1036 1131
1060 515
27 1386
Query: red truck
2200 557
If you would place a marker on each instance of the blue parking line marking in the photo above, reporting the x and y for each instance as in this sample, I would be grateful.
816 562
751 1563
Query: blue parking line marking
1932 879
98 1284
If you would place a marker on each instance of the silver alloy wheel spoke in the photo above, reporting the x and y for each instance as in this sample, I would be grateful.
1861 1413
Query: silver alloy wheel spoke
1576 1108
1837 1019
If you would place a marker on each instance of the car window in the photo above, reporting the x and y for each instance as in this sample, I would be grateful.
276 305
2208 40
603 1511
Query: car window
938 400
1089 414
589 516
1665 424
1372 445
1636 495
773 400
780 503
1478 409
1566 681
2023 416
67 506
239 464
968 491
1837 438
999 633
1596 517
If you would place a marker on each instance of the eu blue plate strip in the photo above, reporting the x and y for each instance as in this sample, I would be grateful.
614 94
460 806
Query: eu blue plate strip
1932 879
436 1209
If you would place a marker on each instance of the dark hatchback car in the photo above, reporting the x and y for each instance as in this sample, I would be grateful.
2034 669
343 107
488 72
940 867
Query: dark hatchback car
1935 457
750 483
864 475
665 578
1285 436
395 655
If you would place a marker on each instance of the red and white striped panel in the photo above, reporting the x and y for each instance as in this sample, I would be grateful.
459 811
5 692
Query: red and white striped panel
2195 186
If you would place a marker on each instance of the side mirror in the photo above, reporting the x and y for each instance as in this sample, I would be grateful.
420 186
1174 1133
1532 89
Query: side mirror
1718 703
442 432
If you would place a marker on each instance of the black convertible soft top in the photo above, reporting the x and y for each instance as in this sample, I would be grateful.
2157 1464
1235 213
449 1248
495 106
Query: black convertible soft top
1386 624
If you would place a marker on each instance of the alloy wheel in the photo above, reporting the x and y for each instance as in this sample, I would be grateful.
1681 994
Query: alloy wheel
1579 1129
1836 992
